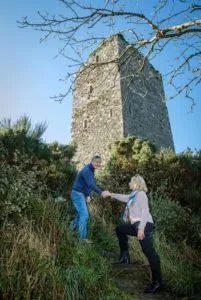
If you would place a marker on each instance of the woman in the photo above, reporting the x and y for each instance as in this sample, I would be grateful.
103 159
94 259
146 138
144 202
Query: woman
139 223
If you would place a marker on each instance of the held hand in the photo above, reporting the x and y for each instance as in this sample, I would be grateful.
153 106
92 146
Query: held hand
105 194
140 234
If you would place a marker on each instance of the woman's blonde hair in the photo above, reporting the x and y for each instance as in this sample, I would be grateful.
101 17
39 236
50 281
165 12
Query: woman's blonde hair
140 183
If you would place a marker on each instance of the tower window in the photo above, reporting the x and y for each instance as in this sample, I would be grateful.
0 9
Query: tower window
90 89
97 58
110 112
85 124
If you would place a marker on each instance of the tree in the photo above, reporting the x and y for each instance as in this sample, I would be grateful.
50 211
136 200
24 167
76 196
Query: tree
159 27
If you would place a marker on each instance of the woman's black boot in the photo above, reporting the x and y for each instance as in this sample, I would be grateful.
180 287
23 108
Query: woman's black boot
155 287
124 258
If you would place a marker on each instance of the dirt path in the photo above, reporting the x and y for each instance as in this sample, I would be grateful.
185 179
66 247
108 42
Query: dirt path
131 279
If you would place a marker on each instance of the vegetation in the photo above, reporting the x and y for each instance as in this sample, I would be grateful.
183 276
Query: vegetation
29 165
176 176
41 258
174 185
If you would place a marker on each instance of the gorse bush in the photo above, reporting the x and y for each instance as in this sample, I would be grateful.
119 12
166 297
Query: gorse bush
175 221
28 165
167 177
60 171
16 188
178 176
17 184
22 137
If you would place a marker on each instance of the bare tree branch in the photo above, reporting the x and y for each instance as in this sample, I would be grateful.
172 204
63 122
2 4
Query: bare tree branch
78 27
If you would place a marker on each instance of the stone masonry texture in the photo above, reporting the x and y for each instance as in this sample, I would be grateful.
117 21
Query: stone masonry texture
114 96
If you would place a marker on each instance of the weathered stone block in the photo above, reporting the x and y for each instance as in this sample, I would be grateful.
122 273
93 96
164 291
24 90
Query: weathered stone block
114 97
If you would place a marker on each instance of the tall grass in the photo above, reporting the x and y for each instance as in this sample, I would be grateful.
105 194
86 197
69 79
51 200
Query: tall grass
42 259
181 275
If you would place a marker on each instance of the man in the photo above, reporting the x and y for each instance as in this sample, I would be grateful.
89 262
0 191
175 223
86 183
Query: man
80 194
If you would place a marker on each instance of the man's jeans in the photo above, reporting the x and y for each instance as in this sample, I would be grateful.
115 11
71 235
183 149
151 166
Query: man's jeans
82 214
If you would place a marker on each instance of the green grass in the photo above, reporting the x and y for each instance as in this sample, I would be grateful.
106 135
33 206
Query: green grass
181 275
42 259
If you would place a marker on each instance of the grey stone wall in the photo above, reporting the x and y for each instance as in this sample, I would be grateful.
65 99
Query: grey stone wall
97 109
113 99
144 109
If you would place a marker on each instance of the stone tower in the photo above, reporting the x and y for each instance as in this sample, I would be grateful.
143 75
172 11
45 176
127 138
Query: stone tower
115 97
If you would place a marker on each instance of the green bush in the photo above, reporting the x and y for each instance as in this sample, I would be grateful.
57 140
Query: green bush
178 176
29 165
16 187
176 222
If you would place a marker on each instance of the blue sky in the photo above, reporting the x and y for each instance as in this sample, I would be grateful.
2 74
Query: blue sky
30 73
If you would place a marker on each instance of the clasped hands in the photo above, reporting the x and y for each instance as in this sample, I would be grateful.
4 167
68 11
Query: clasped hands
105 194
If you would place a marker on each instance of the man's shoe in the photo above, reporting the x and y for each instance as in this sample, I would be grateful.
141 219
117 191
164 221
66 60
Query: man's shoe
155 287
87 241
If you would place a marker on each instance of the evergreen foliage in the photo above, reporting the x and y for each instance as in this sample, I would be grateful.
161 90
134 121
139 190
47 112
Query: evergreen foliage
29 165
40 256
176 176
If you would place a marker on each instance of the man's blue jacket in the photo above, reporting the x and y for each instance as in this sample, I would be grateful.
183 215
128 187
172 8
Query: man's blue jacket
85 182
